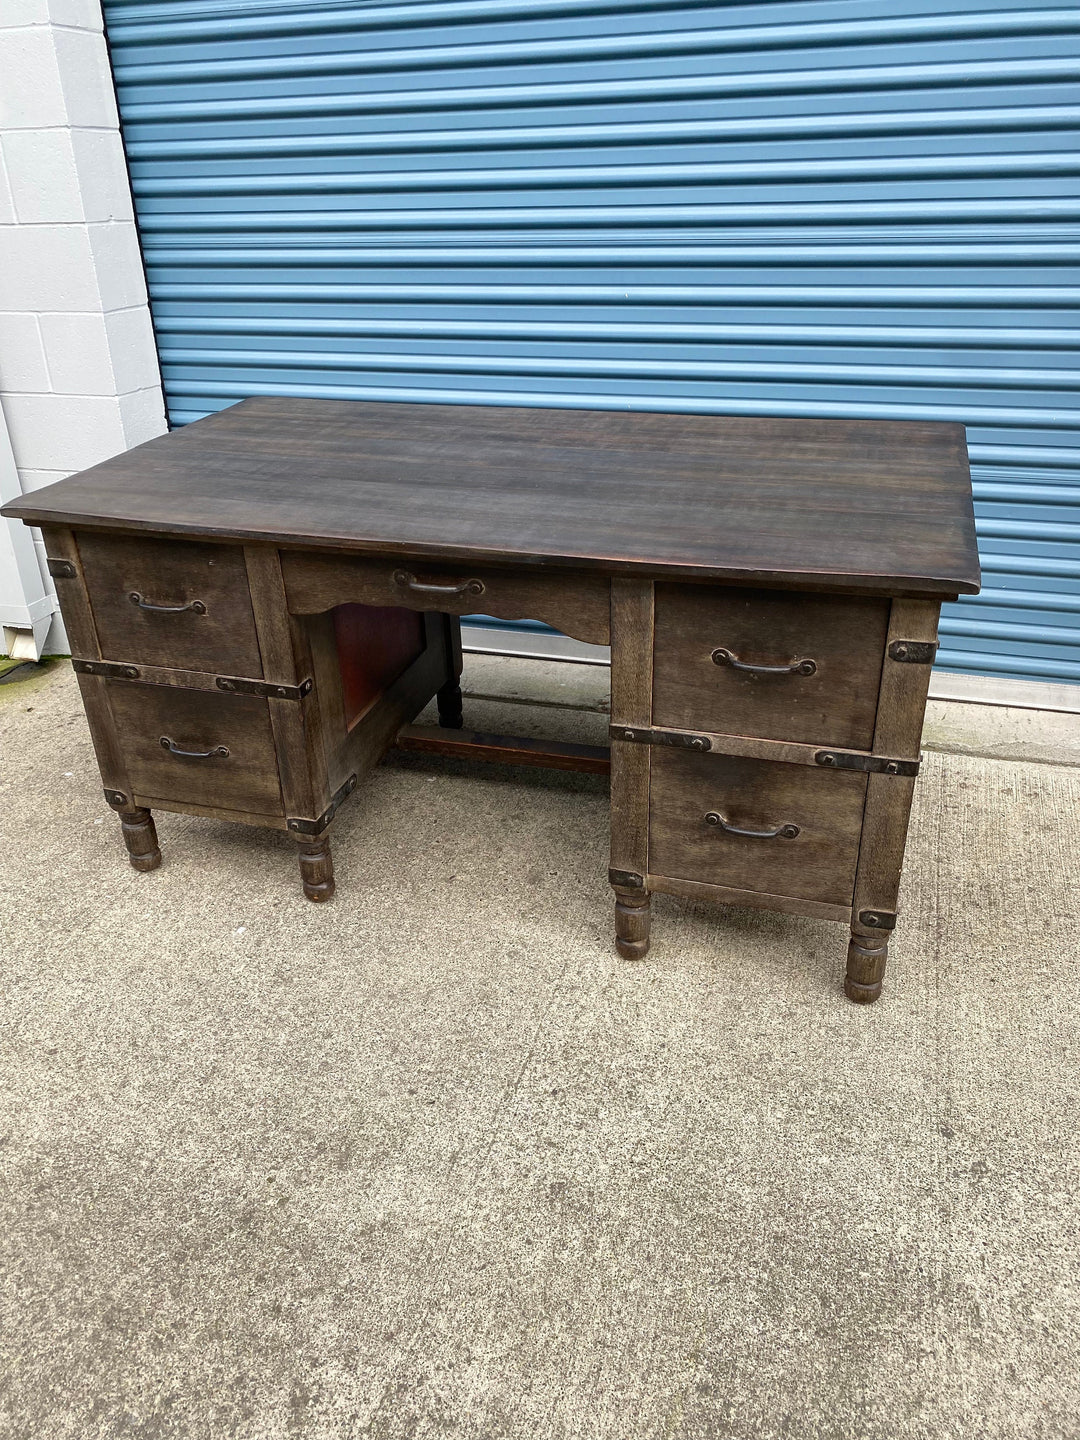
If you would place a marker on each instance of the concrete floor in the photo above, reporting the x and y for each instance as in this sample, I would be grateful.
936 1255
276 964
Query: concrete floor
432 1161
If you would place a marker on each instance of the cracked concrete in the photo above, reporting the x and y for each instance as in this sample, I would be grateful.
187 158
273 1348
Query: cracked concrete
432 1161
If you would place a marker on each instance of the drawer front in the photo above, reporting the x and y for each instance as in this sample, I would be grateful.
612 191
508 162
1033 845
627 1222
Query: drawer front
203 723
759 795
829 650
192 609
575 603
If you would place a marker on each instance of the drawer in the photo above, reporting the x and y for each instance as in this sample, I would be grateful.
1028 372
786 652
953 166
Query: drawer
577 604
839 640
200 721
191 610
761 795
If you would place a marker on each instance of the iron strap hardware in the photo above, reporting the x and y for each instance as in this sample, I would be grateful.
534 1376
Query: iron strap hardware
643 735
62 569
913 652
109 668
626 879
877 919
830 759
265 689
463 587
781 832
116 798
316 827
219 751
722 656
195 606
870 764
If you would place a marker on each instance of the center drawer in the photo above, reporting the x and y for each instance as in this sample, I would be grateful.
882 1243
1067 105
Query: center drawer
577 603
696 802
220 749
175 603
769 663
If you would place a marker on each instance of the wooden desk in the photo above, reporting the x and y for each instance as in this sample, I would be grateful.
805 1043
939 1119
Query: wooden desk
258 603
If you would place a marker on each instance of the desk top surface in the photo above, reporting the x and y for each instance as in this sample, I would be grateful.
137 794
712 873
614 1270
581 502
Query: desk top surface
861 504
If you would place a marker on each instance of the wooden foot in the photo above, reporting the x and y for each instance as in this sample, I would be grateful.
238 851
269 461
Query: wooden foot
316 867
448 699
632 923
866 959
140 837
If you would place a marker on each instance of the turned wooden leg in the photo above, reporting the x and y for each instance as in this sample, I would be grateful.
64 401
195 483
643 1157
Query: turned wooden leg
316 867
448 699
632 923
866 958
140 837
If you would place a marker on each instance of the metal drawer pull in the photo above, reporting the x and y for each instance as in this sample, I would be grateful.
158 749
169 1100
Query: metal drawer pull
195 606
174 749
797 667
466 587
782 832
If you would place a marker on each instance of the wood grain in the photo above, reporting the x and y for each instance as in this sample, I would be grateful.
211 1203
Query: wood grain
171 572
316 867
246 779
818 864
749 899
814 504
888 798
748 745
374 644
61 544
844 637
362 747
297 726
71 591
504 749
140 837
210 812
631 704
576 604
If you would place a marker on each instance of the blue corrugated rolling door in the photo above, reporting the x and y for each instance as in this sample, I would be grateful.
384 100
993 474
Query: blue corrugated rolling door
794 209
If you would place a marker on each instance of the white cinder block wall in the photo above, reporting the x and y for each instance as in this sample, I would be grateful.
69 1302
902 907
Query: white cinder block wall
79 378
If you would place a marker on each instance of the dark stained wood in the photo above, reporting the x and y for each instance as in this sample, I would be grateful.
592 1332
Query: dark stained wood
298 734
449 698
867 957
826 805
140 837
316 867
374 645
575 604
632 605
898 732
812 504
632 616
328 671
71 590
844 636
246 779
904 684
171 573
60 544
570 517
632 923
453 641
748 745
362 747
748 899
210 812
187 679
450 705
505 749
